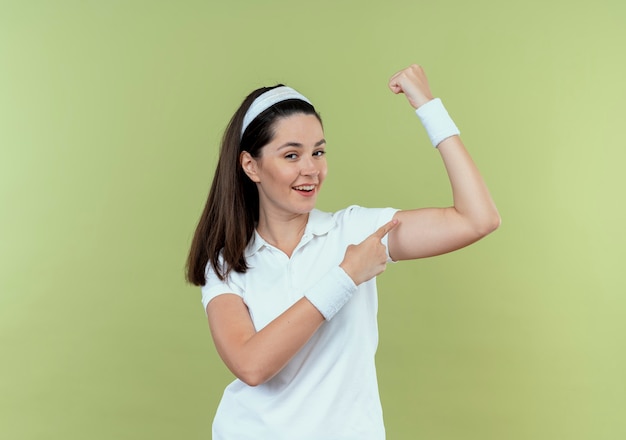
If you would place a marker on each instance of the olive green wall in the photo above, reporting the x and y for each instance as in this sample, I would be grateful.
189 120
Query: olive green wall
110 117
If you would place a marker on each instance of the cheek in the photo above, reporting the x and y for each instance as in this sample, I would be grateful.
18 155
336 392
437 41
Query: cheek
323 171
283 177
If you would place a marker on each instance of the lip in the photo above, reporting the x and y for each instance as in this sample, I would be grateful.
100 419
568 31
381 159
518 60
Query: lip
311 193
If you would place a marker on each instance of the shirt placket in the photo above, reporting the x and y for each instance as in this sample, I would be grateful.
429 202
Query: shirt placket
293 269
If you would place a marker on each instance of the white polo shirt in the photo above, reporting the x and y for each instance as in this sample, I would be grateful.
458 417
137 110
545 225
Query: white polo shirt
329 389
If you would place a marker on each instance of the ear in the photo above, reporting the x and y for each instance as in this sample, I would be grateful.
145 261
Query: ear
249 166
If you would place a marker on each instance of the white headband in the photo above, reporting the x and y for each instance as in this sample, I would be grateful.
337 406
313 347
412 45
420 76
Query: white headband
268 99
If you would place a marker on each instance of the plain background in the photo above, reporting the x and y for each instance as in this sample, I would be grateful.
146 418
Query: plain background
110 118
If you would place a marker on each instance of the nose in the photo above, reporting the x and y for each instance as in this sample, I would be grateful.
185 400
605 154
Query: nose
309 167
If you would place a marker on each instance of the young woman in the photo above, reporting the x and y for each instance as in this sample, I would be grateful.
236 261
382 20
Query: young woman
290 291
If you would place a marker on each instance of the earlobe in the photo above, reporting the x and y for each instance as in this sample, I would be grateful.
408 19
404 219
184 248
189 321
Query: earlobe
248 164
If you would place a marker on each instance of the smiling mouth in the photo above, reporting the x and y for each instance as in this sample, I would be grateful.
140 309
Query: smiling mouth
306 188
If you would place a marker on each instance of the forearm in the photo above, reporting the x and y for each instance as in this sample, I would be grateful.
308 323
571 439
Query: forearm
256 356
471 197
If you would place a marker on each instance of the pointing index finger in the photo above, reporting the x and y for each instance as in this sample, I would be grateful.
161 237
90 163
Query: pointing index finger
385 229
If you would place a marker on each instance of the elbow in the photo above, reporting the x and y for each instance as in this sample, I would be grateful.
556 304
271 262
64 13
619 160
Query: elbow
250 367
252 376
489 224
251 380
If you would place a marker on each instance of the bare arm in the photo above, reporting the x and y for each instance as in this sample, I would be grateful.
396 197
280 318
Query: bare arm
433 231
255 357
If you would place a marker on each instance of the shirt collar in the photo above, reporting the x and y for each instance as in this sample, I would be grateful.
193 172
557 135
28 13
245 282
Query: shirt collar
319 223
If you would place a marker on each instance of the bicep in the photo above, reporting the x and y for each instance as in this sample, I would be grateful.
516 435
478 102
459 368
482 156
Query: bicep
427 232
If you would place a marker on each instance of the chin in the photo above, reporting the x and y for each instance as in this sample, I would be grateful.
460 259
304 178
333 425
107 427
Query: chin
305 209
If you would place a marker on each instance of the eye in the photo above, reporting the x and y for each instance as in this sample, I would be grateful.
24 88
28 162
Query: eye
319 153
291 156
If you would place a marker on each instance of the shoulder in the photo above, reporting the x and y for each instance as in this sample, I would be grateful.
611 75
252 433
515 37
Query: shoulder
214 286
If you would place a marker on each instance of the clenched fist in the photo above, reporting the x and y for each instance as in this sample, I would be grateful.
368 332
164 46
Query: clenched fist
413 83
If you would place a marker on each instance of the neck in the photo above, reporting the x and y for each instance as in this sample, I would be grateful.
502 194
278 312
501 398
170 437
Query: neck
284 233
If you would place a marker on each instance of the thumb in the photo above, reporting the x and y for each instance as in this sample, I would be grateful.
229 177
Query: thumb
385 229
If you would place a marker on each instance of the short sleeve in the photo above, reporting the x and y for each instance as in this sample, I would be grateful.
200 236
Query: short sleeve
215 287
386 215
362 222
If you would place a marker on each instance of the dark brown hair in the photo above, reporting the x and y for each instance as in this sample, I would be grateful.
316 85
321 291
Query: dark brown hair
232 207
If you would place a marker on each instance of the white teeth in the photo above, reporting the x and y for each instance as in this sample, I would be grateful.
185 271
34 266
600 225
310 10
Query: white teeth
305 187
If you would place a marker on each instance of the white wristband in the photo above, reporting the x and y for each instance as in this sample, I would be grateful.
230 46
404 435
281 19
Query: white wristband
437 122
331 292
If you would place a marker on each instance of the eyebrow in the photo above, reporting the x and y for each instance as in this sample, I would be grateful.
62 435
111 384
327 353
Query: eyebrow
299 145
